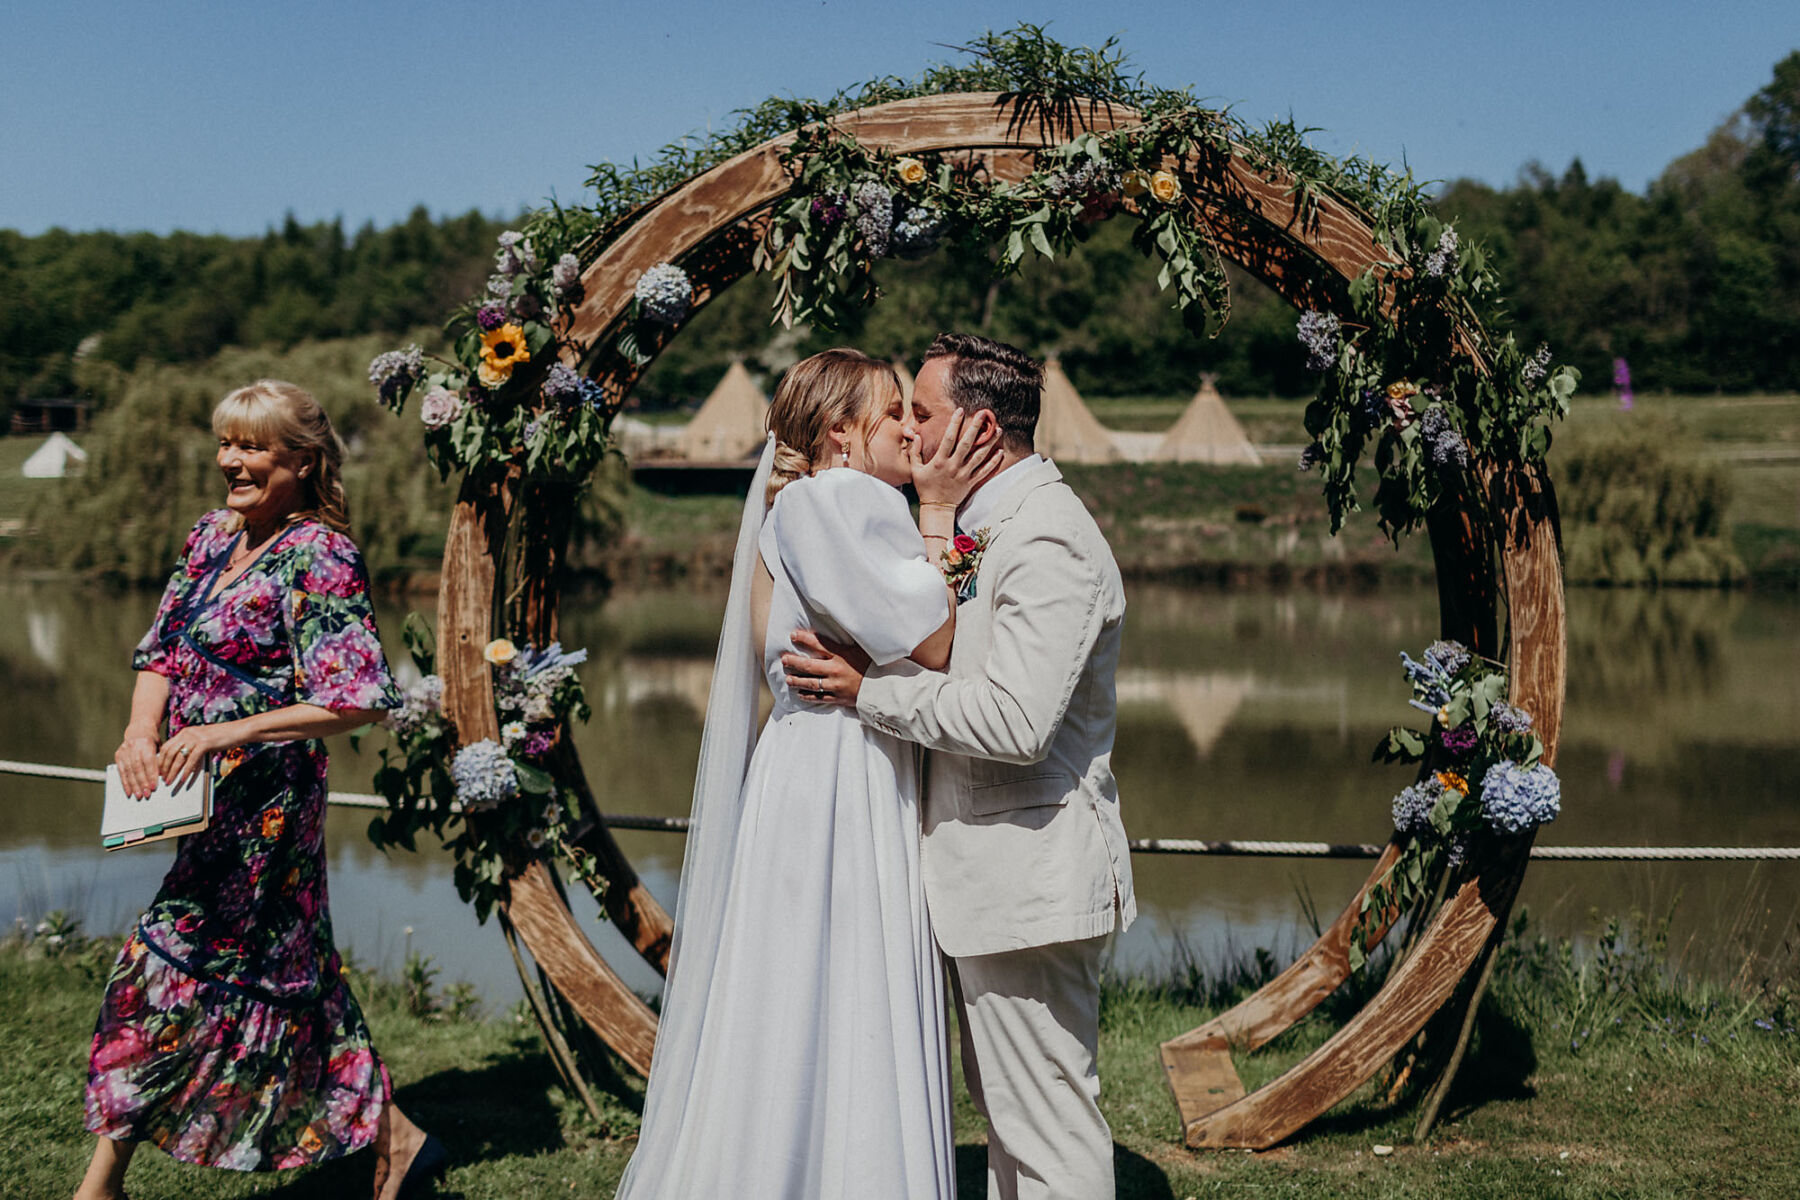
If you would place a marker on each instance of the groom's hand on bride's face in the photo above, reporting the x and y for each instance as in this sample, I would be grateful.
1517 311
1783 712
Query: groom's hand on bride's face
825 673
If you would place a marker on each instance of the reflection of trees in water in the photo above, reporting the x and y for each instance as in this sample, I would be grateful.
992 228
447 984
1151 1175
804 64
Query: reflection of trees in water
1634 644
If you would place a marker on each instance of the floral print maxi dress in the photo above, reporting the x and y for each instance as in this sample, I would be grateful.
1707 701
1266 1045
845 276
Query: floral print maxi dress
228 1035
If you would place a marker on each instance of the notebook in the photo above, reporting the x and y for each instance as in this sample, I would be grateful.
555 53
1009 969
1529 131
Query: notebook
167 812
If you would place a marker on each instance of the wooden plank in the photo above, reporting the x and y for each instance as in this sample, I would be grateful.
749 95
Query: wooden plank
536 909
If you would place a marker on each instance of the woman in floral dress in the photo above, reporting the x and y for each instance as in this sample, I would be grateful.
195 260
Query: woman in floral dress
228 1035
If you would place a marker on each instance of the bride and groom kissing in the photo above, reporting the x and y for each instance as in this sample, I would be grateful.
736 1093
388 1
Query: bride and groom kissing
931 794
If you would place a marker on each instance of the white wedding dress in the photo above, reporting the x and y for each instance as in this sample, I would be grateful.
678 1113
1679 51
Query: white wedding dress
802 1048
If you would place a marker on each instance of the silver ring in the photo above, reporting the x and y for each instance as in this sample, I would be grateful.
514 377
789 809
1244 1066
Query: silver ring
180 750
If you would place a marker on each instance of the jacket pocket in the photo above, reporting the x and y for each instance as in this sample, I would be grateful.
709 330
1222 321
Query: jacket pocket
1000 789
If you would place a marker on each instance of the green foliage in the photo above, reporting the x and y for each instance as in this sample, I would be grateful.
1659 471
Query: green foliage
1642 505
151 473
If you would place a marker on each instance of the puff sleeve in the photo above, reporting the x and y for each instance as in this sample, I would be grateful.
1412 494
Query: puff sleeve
852 552
338 662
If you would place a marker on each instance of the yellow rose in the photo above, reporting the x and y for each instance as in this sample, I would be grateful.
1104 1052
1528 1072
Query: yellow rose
911 170
492 376
500 651
1164 186
1136 183
1401 390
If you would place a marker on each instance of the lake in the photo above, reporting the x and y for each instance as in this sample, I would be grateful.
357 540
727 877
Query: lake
1243 714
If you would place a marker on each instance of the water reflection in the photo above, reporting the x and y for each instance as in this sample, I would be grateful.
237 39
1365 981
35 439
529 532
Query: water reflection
1242 715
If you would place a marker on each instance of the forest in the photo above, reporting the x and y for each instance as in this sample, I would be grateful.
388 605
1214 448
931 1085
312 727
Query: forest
1695 282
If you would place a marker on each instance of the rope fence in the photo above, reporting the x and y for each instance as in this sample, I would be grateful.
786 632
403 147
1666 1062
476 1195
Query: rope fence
1226 849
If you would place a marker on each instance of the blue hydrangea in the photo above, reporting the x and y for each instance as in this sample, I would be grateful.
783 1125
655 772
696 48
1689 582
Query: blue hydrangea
484 775
395 372
916 233
664 293
874 216
1318 332
1509 718
1440 261
1442 442
562 383
420 704
1412 807
592 394
1515 798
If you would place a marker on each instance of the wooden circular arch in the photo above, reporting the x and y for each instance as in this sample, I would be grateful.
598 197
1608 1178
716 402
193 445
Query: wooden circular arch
1494 542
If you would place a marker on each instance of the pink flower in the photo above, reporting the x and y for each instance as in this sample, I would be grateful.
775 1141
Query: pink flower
440 407
122 1048
128 1001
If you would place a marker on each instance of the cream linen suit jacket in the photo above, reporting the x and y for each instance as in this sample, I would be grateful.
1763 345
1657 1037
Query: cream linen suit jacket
1023 845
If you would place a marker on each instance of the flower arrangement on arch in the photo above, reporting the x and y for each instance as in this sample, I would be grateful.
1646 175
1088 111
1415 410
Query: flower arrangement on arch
1481 776
492 803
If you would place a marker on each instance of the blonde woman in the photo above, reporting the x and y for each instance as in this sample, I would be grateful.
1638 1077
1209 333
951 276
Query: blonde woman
802 1047
228 1035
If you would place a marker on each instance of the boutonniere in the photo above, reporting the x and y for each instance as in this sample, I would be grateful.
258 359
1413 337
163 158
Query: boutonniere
962 558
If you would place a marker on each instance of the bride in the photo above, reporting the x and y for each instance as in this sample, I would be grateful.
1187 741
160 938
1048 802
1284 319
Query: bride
802 1047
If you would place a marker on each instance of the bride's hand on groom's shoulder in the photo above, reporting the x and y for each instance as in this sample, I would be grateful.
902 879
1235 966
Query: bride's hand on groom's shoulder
827 673
965 455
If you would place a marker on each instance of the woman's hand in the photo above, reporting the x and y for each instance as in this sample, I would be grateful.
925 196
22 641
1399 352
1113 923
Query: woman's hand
963 459
184 755
136 760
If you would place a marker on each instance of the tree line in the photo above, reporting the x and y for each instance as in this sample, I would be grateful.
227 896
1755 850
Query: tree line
1696 283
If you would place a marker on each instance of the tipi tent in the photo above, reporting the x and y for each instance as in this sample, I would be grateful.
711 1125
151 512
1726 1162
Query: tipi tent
1066 430
1207 432
730 425
58 456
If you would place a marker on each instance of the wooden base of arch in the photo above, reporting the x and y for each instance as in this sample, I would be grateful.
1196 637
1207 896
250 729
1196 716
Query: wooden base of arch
710 225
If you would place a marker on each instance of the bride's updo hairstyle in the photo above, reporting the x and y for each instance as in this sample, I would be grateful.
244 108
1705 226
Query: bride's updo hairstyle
272 413
831 387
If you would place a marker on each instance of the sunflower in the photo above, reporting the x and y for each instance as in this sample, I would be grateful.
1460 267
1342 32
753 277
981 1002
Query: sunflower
502 349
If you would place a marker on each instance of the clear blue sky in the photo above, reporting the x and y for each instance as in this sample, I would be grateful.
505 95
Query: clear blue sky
224 116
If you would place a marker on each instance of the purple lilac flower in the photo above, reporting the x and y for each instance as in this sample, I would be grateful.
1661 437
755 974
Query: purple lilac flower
565 274
395 372
1412 807
1443 259
422 702
664 293
490 317
562 384
1458 850
1535 368
1442 442
829 210
1319 332
499 286
1458 741
1509 718
484 775
1312 456
515 254
1090 177
526 306
531 430
1447 655
1515 798
916 233
539 743
874 216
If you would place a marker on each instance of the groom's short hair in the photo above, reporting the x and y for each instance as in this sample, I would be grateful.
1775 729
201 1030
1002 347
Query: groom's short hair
987 374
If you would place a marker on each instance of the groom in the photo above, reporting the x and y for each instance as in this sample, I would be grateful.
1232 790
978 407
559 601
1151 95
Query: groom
1024 857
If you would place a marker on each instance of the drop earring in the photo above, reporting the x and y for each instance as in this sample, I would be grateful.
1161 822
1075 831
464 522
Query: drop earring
844 454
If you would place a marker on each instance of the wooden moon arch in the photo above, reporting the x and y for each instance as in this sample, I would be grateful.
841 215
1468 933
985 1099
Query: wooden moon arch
1495 547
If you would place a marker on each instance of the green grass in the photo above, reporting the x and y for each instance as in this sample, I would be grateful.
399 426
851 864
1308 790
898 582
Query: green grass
1594 1075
